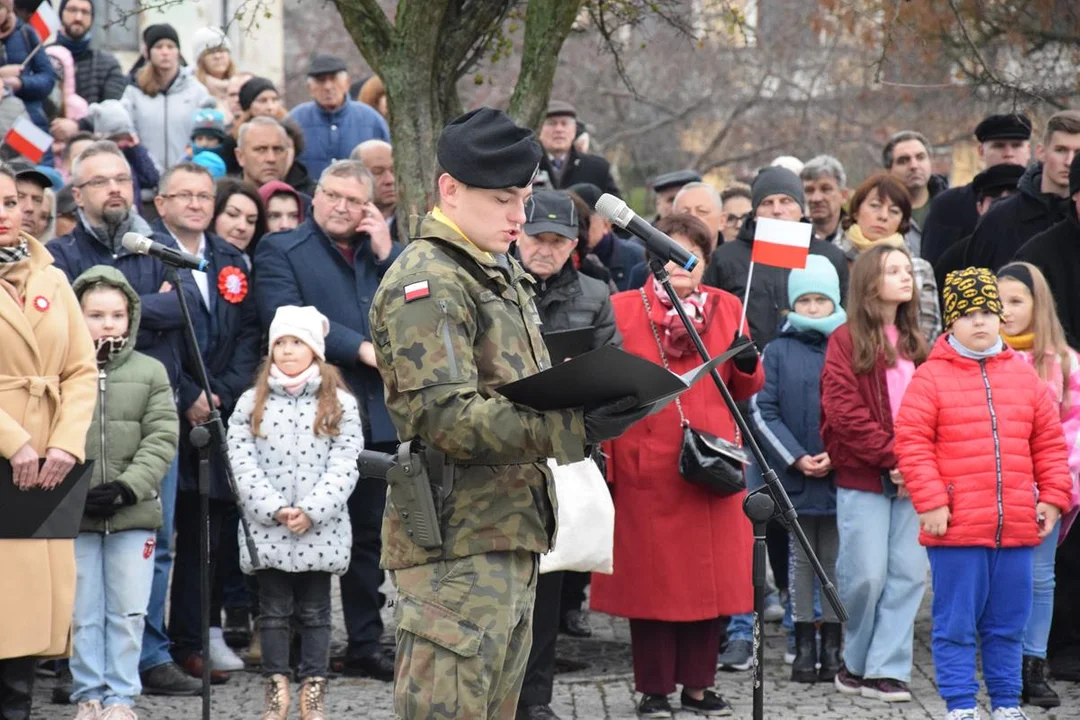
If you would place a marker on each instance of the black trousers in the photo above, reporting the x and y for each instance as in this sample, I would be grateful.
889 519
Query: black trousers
1065 630
540 670
361 600
185 625
16 687
573 590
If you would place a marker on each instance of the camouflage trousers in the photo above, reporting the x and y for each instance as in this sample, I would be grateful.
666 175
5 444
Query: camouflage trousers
463 638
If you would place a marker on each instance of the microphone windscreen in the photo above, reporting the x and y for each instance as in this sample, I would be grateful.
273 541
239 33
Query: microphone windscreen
136 243
614 209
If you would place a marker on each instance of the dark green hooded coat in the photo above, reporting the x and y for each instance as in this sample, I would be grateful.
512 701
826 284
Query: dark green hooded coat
135 430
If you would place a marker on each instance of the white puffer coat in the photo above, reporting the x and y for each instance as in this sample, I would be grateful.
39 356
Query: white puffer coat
292 467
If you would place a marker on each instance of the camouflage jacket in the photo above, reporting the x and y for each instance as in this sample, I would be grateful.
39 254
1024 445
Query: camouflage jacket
450 326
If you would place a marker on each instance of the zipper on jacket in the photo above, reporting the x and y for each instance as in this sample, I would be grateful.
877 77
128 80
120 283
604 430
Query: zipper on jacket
997 452
101 424
448 343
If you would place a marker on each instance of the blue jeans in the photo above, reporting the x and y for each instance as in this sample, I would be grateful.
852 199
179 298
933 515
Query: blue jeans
982 599
881 574
156 644
1042 600
114 574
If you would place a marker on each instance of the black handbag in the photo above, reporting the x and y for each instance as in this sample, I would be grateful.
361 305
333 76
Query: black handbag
705 460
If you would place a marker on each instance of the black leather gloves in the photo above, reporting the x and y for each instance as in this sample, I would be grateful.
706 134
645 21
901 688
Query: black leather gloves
102 501
611 420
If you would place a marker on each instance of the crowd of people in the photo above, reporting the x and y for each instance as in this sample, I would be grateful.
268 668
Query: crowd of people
920 410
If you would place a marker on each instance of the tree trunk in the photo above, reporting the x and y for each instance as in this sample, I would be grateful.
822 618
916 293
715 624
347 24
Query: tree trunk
547 23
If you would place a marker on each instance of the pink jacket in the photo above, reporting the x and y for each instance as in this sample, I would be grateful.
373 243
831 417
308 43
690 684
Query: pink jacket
1070 423
75 107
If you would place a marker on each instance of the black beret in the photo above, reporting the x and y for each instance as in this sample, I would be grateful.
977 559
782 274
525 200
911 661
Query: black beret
252 89
1074 176
996 178
1014 126
558 107
154 34
675 179
485 149
326 65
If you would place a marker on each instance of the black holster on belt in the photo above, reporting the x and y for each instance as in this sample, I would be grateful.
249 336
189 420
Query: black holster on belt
420 481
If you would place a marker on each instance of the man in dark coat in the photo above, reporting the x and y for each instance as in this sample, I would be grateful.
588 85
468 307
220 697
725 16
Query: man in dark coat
777 193
1003 140
667 185
562 165
227 330
618 254
1056 252
907 157
1040 201
335 261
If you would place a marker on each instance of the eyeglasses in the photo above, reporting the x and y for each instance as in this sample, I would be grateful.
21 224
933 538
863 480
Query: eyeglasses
100 181
187 197
733 221
354 204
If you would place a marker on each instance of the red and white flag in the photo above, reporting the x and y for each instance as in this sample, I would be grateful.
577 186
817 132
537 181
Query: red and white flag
45 21
781 243
28 139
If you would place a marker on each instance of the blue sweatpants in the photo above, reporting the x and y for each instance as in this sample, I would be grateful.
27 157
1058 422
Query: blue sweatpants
980 594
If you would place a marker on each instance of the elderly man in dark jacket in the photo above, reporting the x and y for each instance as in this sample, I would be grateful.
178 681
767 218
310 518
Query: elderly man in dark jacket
562 165
334 261
566 300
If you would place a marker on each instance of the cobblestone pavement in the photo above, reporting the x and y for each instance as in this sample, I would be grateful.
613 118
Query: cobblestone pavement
602 691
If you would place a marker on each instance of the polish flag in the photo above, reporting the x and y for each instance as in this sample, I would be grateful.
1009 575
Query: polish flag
781 243
28 139
45 21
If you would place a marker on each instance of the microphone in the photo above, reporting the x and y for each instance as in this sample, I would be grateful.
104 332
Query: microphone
657 242
141 245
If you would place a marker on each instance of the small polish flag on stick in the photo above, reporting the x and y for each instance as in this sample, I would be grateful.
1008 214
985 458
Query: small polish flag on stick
780 243
45 21
28 139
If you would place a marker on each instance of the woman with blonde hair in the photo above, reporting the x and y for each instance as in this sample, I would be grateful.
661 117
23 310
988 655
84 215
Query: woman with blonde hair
214 66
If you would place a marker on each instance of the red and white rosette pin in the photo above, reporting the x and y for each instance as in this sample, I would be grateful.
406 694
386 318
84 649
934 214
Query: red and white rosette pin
232 284
41 303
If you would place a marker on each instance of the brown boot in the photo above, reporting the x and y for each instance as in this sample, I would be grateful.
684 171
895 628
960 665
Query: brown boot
313 699
277 698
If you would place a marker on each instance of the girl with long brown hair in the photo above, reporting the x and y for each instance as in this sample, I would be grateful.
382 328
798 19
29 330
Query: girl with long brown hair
1031 328
293 441
880 567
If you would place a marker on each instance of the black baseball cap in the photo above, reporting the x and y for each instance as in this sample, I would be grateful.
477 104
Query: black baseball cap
25 171
551 211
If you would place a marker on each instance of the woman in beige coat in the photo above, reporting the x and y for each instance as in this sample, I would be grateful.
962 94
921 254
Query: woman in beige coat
47 394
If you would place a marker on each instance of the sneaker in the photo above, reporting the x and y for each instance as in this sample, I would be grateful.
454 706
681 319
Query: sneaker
962 715
847 682
774 611
654 706
886 689
1010 713
789 652
222 656
89 710
169 679
118 712
711 705
738 657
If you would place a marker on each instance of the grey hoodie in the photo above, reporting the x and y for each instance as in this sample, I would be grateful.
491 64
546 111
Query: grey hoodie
163 122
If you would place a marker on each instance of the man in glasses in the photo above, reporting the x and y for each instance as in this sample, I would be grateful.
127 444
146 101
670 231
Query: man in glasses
103 193
334 261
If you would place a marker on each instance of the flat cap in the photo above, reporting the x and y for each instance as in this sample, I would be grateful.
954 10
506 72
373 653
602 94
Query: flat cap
996 178
678 178
326 65
485 149
1014 126
558 107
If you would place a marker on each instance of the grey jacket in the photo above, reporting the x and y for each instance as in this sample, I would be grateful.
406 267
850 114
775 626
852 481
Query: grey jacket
163 121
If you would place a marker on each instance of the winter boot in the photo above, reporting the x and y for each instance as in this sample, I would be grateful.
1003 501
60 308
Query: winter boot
804 669
1037 690
17 687
830 659
313 699
277 698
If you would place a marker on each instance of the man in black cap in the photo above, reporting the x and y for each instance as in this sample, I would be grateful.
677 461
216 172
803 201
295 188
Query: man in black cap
31 185
1003 140
992 184
618 254
332 123
453 320
667 186
562 165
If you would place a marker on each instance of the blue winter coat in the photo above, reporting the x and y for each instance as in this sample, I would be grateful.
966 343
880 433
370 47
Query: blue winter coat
786 416
302 267
161 329
330 136
38 77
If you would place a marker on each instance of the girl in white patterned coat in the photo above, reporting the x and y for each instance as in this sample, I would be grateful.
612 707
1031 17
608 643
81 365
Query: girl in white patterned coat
293 440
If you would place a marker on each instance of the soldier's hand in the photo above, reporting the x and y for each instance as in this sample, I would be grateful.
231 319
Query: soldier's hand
611 420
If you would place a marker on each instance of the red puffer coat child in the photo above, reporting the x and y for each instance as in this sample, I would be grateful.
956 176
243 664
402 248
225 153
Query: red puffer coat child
983 438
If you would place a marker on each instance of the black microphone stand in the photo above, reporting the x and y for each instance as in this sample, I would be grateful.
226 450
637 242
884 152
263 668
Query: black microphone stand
205 437
760 506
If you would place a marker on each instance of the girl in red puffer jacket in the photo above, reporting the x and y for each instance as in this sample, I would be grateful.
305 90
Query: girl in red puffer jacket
983 455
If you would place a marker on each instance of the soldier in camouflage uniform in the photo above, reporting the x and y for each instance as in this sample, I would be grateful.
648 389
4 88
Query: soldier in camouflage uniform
453 320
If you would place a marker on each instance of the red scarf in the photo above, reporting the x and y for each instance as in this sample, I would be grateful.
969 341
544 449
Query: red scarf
673 335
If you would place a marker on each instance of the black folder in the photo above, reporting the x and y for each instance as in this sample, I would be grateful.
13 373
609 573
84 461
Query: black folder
564 344
603 375
41 514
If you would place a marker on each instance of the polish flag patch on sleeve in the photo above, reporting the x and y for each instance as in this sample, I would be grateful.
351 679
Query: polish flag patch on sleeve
417 291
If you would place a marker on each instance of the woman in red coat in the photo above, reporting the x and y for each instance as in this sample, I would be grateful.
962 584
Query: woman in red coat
682 554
